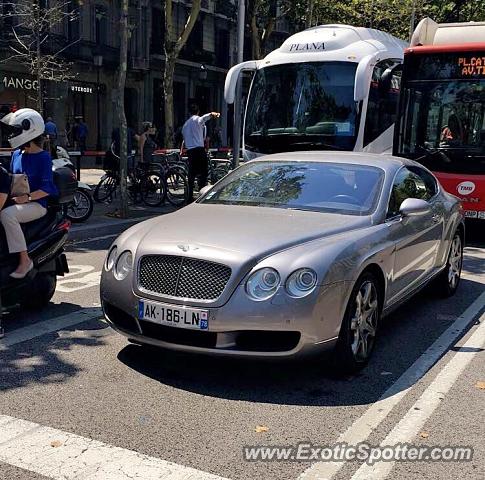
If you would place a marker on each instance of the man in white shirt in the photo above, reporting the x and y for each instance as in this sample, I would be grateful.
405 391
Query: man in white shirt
193 132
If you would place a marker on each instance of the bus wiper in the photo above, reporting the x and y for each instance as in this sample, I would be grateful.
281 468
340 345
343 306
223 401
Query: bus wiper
430 152
329 146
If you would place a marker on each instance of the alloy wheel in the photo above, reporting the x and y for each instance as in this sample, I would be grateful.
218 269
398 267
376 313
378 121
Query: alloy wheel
455 262
363 324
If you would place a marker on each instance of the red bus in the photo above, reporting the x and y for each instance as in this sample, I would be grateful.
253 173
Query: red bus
441 119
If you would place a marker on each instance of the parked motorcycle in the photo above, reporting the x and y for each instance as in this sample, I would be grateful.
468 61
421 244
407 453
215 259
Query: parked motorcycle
81 208
45 238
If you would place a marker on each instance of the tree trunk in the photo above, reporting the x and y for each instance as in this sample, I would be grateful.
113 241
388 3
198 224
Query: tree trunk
309 18
121 109
173 46
256 42
168 89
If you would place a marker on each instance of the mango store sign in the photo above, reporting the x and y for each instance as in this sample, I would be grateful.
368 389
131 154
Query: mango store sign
20 83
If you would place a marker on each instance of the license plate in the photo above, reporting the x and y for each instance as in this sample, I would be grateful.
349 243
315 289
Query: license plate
471 214
173 316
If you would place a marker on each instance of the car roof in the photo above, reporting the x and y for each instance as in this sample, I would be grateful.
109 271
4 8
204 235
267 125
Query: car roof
370 159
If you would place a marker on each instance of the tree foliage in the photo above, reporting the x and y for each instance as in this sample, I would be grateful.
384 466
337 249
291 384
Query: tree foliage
32 41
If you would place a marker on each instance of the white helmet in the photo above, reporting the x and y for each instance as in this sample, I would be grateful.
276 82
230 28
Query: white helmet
25 125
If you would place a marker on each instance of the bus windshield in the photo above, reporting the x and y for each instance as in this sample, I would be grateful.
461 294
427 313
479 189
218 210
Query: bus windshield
442 121
302 106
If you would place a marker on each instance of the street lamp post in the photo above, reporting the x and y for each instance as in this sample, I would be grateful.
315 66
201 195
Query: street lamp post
98 62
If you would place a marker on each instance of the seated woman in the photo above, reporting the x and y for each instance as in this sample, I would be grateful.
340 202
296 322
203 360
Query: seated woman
27 128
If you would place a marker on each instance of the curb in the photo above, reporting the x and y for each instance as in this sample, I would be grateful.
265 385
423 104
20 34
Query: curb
115 227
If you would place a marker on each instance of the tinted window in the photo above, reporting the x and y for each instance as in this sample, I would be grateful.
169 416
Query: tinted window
428 179
406 185
383 101
313 186
302 106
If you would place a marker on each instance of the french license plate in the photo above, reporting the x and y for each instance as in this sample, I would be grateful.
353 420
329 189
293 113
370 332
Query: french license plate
173 316
471 214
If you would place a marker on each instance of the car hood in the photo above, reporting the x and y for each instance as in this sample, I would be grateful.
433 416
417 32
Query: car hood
244 232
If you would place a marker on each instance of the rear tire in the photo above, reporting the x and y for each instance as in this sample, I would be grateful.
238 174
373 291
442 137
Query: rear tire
105 189
359 327
153 189
448 280
177 186
41 290
81 208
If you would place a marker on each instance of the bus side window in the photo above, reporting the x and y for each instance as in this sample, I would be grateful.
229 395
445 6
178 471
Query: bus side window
383 100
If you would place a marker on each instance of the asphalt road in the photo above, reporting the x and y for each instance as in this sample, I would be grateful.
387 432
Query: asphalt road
198 412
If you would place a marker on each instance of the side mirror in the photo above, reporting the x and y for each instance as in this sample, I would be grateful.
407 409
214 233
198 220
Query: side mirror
204 190
385 83
233 76
413 207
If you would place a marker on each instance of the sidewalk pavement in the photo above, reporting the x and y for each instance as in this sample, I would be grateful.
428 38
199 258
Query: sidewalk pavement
104 221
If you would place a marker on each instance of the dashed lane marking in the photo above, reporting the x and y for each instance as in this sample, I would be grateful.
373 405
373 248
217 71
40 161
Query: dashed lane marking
65 456
48 326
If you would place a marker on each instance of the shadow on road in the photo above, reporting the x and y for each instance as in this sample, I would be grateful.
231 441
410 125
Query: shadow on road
405 335
43 361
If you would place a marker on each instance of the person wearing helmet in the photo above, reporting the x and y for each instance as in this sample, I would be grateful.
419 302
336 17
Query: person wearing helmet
27 129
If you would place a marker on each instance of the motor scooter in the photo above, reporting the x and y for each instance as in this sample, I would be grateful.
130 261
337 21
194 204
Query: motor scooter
82 206
46 238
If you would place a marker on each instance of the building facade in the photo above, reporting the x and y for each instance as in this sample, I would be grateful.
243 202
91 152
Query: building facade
91 43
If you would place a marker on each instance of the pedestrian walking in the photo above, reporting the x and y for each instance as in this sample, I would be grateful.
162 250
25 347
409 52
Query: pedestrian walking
193 132
50 129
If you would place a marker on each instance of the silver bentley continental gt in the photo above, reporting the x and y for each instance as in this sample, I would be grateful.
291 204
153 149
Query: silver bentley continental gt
288 254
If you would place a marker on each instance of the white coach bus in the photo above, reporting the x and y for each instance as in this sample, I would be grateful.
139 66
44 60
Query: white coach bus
332 87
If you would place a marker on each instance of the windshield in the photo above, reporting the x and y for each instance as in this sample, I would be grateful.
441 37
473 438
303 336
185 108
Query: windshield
442 122
313 186
302 106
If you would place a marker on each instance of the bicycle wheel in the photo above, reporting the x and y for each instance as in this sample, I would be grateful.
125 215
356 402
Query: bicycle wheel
153 189
177 186
105 188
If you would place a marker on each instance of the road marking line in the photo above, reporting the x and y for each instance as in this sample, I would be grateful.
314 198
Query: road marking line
411 424
48 326
93 239
363 427
65 456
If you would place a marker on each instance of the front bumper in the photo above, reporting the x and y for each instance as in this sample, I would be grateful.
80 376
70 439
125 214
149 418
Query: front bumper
280 327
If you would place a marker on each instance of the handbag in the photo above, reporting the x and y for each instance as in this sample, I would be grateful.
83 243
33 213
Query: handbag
19 185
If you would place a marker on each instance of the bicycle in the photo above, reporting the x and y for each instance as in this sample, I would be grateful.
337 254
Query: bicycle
144 182
175 176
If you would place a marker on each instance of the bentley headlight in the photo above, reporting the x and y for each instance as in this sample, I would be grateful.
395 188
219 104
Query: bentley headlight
123 265
301 282
110 260
263 284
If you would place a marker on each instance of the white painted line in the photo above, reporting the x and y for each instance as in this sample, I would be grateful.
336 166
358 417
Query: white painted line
65 456
362 428
411 424
48 326
94 239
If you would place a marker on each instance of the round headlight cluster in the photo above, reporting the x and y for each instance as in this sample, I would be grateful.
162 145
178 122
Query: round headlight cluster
301 282
110 260
263 284
123 265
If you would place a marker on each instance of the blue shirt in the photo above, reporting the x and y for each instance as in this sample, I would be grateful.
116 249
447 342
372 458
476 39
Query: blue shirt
51 129
38 168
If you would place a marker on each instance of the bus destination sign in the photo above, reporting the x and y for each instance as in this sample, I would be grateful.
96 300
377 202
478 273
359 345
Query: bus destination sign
472 66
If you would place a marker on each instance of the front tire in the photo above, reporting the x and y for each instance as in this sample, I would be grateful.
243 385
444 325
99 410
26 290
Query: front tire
449 279
359 327
41 291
